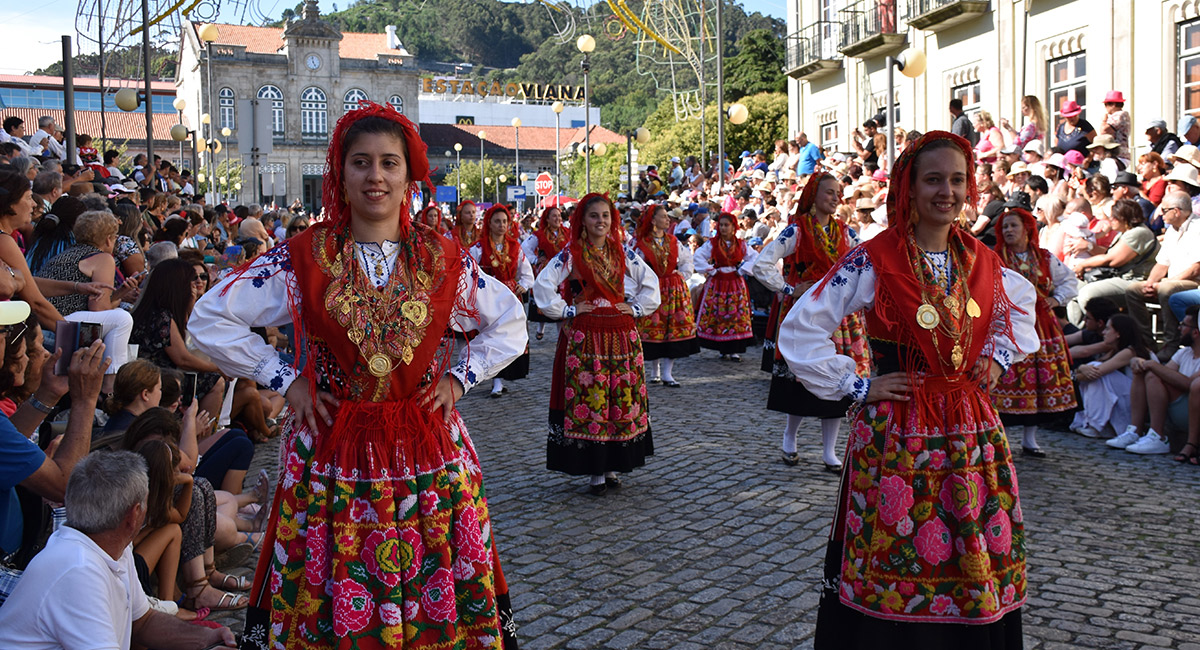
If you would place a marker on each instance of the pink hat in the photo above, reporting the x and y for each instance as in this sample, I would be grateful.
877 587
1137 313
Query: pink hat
1070 108
880 176
1114 96
1055 160
1073 157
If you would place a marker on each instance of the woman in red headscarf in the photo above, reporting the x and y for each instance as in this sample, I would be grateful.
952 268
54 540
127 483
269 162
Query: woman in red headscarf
501 257
928 541
670 332
599 420
812 243
432 217
723 323
549 238
1038 388
379 535
464 230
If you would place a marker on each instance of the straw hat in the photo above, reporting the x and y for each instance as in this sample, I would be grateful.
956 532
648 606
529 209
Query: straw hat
864 204
1104 140
1185 174
1189 154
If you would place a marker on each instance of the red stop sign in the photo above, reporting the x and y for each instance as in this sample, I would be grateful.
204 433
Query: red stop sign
543 184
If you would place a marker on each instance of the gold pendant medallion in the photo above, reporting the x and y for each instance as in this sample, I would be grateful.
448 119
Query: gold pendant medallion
973 308
414 311
379 365
927 317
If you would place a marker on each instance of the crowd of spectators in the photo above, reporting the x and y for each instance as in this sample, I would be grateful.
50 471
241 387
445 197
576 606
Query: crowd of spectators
123 451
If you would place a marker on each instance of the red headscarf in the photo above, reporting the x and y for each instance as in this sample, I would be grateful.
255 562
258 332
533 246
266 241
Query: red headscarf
899 200
457 229
611 285
502 268
1042 268
337 210
645 233
548 246
438 227
814 258
722 257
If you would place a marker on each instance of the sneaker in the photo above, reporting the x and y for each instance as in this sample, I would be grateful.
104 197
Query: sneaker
1128 437
165 606
1151 443
1088 432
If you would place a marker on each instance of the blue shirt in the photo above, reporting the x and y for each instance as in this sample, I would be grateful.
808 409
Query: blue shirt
809 155
19 459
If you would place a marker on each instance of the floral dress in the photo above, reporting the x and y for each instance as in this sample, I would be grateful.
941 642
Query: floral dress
724 320
153 337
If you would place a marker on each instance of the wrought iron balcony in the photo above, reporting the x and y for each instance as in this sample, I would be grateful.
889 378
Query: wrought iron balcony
813 52
936 15
872 28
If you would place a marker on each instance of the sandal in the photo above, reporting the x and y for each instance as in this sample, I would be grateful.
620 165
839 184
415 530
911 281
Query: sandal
237 554
1192 458
240 583
227 601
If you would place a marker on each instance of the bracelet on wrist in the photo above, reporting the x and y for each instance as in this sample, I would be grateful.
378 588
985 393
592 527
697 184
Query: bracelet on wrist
39 404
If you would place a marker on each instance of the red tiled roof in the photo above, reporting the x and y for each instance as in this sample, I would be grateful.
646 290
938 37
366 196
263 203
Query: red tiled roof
162 87
119 126
269 40
533 138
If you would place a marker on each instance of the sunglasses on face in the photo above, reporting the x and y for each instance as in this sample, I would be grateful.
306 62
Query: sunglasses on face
15 332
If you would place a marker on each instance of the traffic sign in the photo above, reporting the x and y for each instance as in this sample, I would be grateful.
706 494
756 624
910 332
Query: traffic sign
447 194
543 184
515 193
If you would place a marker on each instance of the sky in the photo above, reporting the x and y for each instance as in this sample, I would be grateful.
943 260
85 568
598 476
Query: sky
32 31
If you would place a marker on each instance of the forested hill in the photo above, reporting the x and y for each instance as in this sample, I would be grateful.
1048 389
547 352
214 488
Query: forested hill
516 41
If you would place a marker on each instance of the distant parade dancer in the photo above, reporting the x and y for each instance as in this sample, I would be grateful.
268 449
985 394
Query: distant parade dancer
810 246
501 257
724 321
379 535
927 547
464 230
599 421
670 332
1038 388
546 242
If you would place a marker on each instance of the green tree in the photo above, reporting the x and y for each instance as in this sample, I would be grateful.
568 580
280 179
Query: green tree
606 172
468 174
766 123
757 66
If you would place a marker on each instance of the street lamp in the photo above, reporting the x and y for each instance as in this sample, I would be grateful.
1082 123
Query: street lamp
458 160
128 100
482 135
207 34
911 63
639 135
516 122
557 107
179 133
500 181
180 104
226 132
586 44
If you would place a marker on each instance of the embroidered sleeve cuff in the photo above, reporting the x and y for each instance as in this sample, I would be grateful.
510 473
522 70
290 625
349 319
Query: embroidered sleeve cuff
465 375
788 289
637 309
1004 358
569 312
856 388
275 374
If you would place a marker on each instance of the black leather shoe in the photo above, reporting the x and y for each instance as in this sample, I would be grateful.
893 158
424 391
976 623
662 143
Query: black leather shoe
612 482
791 459
671 384
1032 452
598 490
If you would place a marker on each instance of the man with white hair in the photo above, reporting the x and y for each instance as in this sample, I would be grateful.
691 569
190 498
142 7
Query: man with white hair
42 141
82 590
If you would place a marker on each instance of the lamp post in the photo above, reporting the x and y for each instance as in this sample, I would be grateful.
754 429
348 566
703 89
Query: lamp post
482 135
639 135
180 104
206 120
128 100
179 133
557 107
516 122
911 63
586 44
226 132
488 182
500 181
208 33
458 161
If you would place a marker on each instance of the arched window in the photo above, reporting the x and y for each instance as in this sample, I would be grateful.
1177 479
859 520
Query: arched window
353 97
276 96
314 116
225 102
397 103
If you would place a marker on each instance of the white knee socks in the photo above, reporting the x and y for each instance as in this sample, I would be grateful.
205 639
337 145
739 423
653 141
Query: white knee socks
667 366
1029 437
829 432
789 433
497 385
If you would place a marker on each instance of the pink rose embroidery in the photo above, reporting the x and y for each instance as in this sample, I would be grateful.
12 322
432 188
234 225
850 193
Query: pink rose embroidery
933 542
412 553
438 598
428 502
572 361
381 556
361 511
1010 593
943 605
295 470
937 459
390 614
895 498
999 533
581 411
854 522
989 452
352 607
962 496
316 552
860 435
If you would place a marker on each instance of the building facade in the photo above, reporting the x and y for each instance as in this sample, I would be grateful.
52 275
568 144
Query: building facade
989 53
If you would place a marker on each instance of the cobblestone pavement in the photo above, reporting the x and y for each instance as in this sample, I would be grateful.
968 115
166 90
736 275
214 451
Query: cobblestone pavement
717 544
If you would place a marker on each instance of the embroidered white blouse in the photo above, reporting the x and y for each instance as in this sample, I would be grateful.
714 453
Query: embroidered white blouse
641 286
703 264
524 268
804 336
683 262
221 321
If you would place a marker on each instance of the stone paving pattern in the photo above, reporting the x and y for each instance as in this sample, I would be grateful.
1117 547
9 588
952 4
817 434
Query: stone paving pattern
717 544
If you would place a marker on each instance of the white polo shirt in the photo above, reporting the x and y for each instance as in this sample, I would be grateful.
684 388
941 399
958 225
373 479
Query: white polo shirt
1180 248
73 596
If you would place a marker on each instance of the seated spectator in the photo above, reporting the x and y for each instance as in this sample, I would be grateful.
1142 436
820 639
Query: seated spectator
1176 268
1086 344
1162 142
991 204
174 230
127 253
1129 259
1104 384
1169 394
14 132
1078 240
137 389
54 234
26 361
160 252
158 542
1049 210
1152 169
225 454
299 224
82 590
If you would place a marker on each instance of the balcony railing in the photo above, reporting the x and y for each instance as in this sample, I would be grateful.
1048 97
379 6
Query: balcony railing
936 15
813 51
872 28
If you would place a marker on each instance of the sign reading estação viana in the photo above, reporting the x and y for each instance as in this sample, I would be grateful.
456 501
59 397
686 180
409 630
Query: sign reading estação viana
495 88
